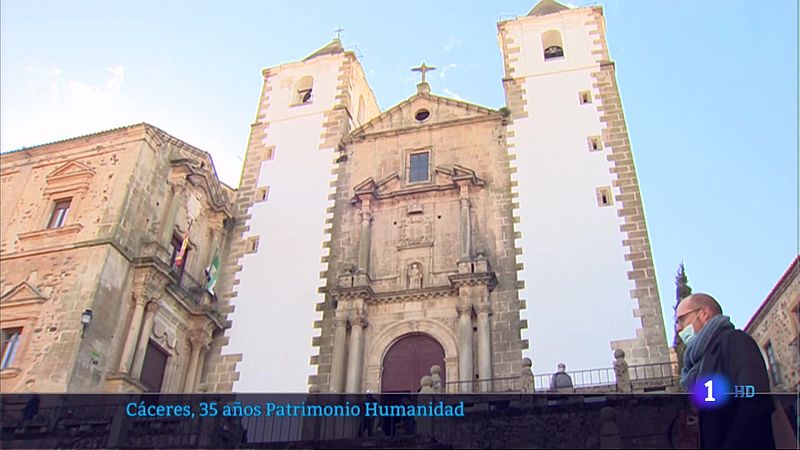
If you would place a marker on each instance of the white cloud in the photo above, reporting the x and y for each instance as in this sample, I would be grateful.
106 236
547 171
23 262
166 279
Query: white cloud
56 71
445 68
452 94
82 95
451 44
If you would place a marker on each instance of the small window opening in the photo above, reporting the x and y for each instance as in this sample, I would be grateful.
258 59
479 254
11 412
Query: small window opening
422 115
595 143
304 91
10 343
59 214
262 193
251 246
604 197
551 44
774 366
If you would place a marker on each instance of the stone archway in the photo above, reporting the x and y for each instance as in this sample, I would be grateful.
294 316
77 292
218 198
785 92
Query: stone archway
408 360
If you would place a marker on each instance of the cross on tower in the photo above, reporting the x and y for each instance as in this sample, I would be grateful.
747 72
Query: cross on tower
339 32
423 68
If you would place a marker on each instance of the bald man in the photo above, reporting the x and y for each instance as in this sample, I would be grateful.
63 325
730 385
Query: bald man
715 346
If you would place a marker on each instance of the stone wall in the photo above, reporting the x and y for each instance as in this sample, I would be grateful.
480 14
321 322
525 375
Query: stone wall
129 192
777 322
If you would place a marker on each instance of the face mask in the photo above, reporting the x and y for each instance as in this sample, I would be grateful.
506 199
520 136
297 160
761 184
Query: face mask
687 334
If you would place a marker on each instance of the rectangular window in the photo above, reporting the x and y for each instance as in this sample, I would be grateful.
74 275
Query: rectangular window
59 215
153 367
10 343
595 143
418 166
262 193
604 197
774 366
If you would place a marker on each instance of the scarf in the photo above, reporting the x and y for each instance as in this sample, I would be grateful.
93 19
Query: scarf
696 348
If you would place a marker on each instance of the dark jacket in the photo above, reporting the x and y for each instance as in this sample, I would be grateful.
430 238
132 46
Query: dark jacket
741 422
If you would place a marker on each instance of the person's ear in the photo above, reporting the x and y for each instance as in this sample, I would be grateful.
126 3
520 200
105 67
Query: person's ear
705 314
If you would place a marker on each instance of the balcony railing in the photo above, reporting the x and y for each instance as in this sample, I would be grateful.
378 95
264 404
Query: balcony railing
649 374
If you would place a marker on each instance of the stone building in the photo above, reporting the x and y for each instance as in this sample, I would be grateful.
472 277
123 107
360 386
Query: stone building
586 252
104 244
776 328
445 220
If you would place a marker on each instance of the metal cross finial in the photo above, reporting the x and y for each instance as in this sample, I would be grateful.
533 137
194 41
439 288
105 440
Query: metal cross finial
339 32
423 68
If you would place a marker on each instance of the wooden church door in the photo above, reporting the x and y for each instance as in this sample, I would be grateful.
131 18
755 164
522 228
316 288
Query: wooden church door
408 360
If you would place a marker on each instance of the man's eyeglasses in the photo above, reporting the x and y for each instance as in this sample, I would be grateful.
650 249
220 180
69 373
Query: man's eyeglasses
680 319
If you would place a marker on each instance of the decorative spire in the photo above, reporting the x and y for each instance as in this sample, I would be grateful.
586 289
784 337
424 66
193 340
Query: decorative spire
423 87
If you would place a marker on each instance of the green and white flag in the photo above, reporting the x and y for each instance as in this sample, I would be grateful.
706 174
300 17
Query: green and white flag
212 273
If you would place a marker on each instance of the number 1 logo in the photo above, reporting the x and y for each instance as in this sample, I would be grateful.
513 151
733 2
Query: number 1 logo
710 388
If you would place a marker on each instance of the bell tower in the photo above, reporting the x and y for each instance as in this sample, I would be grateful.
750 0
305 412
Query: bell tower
284 199
588 266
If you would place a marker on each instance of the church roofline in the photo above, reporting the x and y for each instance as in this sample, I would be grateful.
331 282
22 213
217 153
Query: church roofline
146 127
332 48
362 130
546 7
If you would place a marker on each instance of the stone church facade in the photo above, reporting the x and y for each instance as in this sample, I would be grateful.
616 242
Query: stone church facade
422 252
441 221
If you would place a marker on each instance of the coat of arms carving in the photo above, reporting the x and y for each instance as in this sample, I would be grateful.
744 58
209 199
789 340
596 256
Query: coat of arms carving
416 229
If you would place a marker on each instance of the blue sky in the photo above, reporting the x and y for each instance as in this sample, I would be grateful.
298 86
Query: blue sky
709 91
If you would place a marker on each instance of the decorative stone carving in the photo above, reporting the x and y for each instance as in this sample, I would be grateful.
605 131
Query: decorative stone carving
427 385
416 230
526 377
436 378
621 372
414 277
164 335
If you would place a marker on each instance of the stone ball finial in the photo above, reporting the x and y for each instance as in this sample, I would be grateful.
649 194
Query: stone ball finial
436 369
427 381
527 362
619 353
607 413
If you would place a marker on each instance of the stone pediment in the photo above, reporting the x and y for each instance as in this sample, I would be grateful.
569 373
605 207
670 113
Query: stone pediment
441 111
444 178
22 293
70 171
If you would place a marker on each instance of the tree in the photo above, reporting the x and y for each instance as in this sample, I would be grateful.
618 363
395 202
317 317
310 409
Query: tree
682 290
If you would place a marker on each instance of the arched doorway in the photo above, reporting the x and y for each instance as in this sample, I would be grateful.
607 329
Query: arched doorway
408 360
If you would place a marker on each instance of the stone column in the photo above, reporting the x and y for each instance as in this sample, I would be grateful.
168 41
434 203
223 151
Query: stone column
133 335
144 339
355 362
484 346
338 362
199 340
466 226
465 371
198 377
364 238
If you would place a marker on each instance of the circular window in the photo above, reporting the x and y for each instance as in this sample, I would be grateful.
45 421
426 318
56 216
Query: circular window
422 114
